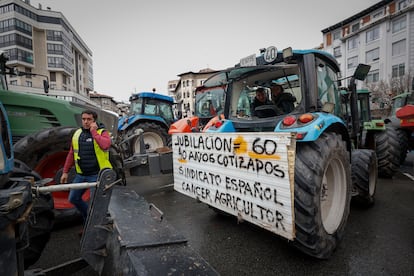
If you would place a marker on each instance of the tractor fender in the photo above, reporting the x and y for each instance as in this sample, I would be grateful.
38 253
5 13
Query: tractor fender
133 120
315 128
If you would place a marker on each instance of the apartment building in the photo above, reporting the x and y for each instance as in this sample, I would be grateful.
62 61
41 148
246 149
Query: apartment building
104 101
43 42
184 92
381 35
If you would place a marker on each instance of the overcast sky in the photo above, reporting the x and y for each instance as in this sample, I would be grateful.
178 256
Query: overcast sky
138 45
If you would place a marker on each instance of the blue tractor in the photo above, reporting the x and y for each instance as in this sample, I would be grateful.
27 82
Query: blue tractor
329 159
151 114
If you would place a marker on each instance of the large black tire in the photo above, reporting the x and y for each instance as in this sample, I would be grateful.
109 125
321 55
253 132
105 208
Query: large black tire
32 149
364 176
41 218
403 138
387 148
322 194
154 135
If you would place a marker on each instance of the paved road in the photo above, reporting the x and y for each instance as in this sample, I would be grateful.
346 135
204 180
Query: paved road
378 241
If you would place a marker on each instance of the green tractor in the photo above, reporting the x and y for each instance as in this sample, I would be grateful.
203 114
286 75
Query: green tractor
376 134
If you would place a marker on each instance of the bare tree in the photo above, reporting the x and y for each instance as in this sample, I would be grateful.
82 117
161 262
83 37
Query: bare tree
380 93
383 91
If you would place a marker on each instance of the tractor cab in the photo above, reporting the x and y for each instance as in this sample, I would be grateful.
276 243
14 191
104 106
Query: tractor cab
151 105
308 79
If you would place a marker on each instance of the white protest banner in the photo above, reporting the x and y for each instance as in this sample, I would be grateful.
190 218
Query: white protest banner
249 175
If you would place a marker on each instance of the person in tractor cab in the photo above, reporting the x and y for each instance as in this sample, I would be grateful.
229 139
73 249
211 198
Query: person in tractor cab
283 100
89 152
259 100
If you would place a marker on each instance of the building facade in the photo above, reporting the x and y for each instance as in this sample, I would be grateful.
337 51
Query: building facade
105 102
42 42
381 36
184 91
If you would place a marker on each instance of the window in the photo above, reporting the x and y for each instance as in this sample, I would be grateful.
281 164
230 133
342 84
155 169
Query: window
29 72
29 84
56 49
328 87
402 4
399 47
399 24
337 51
353 43
372 55
336 35
355 27
398 70
52 76
13 82
352 62
377 15
373 76
373 34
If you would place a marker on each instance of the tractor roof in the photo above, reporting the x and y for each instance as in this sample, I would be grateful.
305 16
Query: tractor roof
151 95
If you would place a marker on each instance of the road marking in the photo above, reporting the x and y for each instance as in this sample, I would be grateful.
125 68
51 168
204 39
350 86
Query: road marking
409 176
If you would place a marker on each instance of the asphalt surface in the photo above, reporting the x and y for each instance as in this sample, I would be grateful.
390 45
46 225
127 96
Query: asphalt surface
377 241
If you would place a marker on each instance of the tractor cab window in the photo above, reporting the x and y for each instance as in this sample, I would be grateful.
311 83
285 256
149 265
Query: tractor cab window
364 105
136 106
156 107
328 93
286 78
166 111
245 102
150 108
209 102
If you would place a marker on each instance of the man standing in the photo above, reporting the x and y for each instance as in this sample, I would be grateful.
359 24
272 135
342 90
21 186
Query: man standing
89 152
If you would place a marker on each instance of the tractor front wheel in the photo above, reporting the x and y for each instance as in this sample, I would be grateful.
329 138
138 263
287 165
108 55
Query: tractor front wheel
364 176
388 149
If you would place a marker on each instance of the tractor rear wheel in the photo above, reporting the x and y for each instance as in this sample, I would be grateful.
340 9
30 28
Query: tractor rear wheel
403 139
322 194
155 136
388 151
364 176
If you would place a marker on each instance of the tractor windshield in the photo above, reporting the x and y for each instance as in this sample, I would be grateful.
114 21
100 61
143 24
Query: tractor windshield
209 102
244 104
152 107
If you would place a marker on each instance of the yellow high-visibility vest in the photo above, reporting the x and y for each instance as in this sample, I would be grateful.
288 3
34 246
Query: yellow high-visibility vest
101 155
